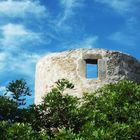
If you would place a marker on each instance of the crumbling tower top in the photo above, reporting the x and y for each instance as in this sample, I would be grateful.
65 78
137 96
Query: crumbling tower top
87 69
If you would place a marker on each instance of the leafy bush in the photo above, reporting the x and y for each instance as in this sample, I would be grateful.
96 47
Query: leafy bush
8 109
57 111
19 131
113 112
67 134
110 113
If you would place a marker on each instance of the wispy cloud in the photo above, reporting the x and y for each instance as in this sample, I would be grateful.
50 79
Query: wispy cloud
87 42
15 40
123 38
19 23
68 6
20 9
2 56
129 35
2 90
120 6
16 35
2 60
23 63
19 35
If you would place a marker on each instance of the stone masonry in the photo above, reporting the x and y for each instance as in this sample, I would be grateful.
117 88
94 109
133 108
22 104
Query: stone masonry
71 65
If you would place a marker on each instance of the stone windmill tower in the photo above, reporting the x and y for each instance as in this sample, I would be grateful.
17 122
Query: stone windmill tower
108 67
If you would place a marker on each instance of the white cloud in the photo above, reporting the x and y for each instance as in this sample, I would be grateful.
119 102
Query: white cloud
2 90
68 6
23 63
123 38
2 59
88 42
14 55
15 35
12 8
121 6
2 56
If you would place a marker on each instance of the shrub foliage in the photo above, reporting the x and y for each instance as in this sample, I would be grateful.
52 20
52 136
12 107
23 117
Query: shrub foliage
110 113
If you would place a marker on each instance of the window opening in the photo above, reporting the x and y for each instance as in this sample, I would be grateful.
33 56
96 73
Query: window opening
91 68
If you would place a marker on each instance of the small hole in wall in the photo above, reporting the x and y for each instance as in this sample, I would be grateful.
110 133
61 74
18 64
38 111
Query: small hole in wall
91 68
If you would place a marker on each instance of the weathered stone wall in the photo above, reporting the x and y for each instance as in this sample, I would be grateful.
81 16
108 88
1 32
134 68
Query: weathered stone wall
112 67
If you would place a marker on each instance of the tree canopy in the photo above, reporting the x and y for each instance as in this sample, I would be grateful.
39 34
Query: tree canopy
112 112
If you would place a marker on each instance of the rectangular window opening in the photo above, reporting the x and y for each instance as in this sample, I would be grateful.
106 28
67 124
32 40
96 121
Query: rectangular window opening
91 68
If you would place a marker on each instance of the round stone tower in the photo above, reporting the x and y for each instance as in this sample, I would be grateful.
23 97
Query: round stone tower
108 67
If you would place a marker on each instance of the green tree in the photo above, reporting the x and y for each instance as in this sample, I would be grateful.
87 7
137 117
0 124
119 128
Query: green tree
8 109
19 90
20 131
112 112
57 110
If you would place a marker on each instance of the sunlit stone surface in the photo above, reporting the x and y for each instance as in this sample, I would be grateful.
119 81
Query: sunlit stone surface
112 67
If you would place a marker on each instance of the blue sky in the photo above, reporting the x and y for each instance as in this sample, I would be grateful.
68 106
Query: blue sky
30 29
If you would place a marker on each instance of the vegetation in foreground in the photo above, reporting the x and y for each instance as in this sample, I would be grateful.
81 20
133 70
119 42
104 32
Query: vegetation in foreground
110 113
